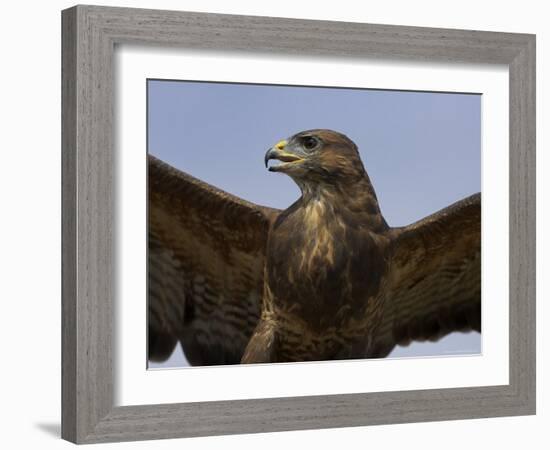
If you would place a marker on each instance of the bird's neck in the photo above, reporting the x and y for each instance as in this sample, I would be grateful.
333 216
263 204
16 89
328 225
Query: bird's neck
347 202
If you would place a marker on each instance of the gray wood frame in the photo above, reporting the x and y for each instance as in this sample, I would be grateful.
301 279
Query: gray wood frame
89 36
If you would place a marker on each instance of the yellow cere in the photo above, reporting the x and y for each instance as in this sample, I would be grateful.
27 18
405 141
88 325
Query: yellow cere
281 144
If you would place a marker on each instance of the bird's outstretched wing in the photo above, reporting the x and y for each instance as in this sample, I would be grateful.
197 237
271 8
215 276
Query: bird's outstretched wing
434 284
205 267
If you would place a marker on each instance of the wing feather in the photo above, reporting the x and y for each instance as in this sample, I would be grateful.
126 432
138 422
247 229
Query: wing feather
435 277
206 259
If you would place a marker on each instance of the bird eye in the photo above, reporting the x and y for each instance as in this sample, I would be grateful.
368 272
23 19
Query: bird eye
309 142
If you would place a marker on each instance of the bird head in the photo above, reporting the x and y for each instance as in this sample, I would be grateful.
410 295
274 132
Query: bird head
316 157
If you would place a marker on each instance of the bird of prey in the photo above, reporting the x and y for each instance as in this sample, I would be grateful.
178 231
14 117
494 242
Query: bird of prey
325 279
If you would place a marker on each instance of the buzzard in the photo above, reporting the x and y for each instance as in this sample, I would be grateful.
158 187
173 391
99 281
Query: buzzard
325 279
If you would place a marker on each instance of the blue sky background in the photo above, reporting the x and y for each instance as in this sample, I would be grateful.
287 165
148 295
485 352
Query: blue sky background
421 150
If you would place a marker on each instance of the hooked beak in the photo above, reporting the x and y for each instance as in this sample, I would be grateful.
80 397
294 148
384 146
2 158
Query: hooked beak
278 152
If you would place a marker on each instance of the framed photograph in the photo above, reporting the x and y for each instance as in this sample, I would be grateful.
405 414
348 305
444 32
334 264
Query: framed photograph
278 224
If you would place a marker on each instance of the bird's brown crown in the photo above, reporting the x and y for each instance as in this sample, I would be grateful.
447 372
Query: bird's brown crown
317 156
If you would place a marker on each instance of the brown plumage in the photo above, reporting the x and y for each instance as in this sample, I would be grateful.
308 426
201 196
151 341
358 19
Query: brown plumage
325 279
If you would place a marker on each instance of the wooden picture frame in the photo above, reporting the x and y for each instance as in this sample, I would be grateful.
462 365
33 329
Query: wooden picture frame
90 34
